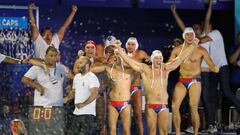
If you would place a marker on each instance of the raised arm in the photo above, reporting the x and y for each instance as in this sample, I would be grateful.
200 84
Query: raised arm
40 63
208 60
175 62
12 60
32 22
134 64
205 39
173 54
75 67
234 57
177 18
145 56
66 23
208 17
98 69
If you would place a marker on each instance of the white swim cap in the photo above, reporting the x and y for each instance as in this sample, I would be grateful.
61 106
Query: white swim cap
188 30
110 40
134 40
156 53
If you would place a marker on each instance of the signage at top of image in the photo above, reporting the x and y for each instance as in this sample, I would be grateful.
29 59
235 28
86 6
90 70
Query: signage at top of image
14 22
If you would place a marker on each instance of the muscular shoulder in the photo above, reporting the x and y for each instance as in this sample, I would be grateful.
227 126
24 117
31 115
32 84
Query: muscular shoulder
140 54
201 49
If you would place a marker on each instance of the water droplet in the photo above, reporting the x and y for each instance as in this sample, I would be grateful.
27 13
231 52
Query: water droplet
114 21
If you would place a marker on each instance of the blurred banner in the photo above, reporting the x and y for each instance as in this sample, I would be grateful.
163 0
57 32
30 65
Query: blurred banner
223 4
186 4
101 3
13 22
183 4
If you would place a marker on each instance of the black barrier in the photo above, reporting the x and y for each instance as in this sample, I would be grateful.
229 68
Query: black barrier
46 120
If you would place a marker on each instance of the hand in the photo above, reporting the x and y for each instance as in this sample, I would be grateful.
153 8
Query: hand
116 52
31 6
79 105
173 8
195 42
65 100
148 60
74 8
119 49
40 88
92 56
80 53
216 69
25 61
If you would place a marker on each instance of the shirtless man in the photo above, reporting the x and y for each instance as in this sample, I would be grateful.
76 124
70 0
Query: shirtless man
119 96
136 90
155 84
207 91
189 81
